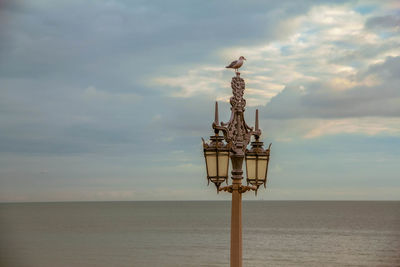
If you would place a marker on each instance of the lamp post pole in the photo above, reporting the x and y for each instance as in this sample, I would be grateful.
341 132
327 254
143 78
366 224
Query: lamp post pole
237 135
236 215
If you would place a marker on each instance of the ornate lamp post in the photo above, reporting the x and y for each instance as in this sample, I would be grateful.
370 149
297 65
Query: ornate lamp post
233 144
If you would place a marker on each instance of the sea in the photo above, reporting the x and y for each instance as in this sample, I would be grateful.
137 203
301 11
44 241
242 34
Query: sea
197 233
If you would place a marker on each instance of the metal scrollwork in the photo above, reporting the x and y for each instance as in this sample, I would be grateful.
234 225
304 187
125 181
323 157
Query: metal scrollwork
237 101
236 132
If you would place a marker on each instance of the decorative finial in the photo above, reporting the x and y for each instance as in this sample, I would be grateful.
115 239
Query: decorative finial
216 120
256 119
257 129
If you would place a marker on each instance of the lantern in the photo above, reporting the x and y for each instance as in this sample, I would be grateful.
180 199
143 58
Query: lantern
216 154
257 159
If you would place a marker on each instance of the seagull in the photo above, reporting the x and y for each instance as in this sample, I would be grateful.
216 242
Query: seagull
236 64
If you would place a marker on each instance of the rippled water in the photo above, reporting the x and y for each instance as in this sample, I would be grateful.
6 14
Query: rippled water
275 233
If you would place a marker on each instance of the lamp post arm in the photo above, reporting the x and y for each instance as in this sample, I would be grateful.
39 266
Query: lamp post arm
245 188
242 188
226 189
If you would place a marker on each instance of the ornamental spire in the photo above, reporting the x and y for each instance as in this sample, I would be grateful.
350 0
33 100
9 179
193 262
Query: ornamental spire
216 120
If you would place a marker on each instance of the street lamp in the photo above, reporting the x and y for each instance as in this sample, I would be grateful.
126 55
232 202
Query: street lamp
233 144
216 154
257 159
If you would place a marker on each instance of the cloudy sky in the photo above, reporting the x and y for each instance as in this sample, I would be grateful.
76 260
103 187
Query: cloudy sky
108 100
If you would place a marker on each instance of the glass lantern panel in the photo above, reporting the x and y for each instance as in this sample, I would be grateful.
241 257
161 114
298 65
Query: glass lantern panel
262 168
223 161
251 167
211 159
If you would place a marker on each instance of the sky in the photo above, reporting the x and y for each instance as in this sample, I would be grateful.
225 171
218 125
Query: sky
108 100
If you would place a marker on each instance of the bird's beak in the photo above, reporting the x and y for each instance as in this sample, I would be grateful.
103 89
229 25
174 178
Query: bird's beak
244 58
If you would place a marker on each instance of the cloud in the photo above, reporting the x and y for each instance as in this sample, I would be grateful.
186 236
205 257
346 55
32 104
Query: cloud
202 80
329 44
93 90
91 93
389 22
369 126
369 93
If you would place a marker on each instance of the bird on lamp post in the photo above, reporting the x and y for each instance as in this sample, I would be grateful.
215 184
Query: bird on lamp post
236 64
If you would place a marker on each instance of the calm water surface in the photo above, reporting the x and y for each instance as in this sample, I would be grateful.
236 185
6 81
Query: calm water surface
275 233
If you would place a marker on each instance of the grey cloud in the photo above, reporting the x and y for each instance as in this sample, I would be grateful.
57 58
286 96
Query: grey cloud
320 100
357 55
130 38
389 22
51 51
64 120
387 71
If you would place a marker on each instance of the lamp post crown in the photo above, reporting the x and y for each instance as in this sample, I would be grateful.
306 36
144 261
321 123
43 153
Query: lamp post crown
236 132
237 136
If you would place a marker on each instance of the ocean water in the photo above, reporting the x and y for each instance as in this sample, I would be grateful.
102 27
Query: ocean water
275 233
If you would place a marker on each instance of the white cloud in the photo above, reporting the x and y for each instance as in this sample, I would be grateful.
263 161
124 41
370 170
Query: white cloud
312 68
322 47
369 126
290 130
199 80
